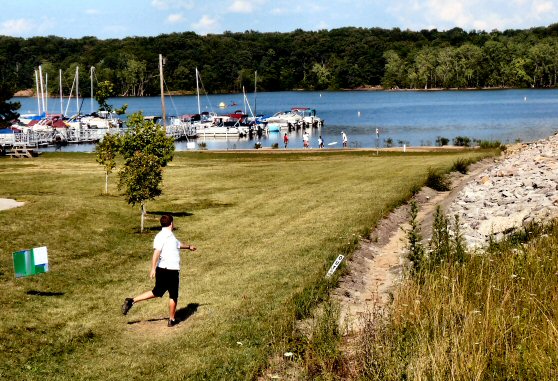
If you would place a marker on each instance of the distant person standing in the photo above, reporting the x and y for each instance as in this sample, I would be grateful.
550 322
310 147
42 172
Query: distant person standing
165 268
306 139
320 142
345 140
286 140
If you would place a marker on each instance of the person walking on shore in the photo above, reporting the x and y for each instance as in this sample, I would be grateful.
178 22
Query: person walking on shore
344 137
320 142
165 268
286 139
306 139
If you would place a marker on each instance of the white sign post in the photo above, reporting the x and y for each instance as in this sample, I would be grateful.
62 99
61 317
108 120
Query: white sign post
335 265
377 140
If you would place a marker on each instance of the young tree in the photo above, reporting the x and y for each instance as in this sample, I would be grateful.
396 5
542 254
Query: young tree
105 90
106 151
146 149
140 178
147 137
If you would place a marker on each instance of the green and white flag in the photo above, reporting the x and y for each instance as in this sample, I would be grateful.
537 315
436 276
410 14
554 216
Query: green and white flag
30 262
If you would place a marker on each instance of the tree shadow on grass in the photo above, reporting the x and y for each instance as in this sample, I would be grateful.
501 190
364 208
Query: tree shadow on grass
182 314
151 216
44 293
174 214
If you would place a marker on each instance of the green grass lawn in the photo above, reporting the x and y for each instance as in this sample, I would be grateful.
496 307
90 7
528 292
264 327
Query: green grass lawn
267 227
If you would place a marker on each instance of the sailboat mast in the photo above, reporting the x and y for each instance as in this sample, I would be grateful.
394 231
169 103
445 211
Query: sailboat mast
91 74
255 92
38 96
61 96
42 88
77 90
198 90
162 91
46 92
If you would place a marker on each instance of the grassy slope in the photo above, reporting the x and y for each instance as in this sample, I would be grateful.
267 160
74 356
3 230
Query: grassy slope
267 226
495 317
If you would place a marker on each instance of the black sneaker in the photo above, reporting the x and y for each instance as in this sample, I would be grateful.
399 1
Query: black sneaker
172 323
128 303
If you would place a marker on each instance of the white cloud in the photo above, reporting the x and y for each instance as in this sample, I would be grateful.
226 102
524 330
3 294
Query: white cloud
206 25
278 11
16 27
172 4
543 7
92 11
473 14
160 4
241 6
175 18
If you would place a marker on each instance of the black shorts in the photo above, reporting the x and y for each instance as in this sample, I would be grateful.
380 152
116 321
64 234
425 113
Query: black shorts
166 280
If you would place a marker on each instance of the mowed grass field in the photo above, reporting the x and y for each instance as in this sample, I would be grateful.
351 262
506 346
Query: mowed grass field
267 227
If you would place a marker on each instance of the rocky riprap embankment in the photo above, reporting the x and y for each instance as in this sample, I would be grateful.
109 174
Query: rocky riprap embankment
521 188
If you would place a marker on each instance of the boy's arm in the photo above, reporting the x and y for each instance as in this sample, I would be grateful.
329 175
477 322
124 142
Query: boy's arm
154 261
187 247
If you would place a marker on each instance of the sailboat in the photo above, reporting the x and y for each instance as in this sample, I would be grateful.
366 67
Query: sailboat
209 124
176 127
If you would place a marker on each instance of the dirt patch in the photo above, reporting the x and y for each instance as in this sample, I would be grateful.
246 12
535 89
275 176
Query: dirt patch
377 266
8 203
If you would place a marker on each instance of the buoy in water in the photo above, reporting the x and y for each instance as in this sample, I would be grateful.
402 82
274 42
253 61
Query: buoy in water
222 105
358 113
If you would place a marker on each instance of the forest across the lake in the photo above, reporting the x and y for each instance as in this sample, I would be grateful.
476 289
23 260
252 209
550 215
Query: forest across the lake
345 58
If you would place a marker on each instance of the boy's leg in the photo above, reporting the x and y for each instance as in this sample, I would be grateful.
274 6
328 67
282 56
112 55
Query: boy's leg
172 308
129 302
146 295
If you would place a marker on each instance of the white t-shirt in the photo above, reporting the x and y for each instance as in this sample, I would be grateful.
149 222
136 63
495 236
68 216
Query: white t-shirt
170 249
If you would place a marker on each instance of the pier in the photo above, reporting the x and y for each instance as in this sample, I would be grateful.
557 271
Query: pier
59 137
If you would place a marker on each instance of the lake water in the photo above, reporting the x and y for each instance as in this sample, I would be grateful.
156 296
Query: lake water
411 117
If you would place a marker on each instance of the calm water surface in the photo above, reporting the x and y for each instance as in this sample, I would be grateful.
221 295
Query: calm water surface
414 118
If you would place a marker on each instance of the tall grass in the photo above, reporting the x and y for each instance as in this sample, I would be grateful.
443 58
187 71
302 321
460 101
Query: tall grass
494 316
267 227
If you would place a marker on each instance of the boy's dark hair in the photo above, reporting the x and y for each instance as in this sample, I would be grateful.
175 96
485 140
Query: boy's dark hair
166 220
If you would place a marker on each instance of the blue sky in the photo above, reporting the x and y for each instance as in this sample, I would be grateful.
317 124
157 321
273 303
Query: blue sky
121 18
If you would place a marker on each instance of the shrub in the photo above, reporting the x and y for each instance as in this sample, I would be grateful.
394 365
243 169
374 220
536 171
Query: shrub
440 243
388 142
414 238
461 141
441 141
322 356
485 144
437 180
461 165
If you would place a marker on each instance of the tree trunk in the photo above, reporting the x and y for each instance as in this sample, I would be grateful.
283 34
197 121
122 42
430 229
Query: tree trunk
142 216
106 182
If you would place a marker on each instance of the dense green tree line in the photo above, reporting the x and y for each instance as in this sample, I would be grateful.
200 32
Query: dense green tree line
334 59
